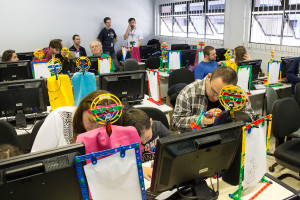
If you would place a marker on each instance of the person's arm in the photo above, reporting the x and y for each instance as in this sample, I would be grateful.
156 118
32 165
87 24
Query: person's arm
115 36
48 135
140 43
141 37
147 172
292 72
183 116
116 39
126 33
199 73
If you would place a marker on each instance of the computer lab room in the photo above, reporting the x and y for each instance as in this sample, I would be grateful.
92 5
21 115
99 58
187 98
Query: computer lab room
150 100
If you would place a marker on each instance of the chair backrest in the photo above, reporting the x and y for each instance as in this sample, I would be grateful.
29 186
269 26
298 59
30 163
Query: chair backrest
271 97
152 63
156 114
8 134
297 93
119 55
130 65
34 131
181 76
286 117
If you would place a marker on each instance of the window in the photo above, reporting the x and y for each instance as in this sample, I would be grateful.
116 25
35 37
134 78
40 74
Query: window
275 22
193 19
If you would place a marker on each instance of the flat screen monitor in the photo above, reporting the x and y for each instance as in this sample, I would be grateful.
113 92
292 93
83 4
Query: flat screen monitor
19 70
286 62
147 51
189 158
25 56
175 47
188 58
93 67
220 54
129 86
256 67
46 175
22 97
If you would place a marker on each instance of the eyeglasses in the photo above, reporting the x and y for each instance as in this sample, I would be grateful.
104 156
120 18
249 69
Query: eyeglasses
212 91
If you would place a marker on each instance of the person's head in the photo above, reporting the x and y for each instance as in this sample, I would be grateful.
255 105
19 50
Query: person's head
7 151
131 22
96 48
9 55
209 53
76 39
107 22
219 78
83 120
239 54
55 46
140 120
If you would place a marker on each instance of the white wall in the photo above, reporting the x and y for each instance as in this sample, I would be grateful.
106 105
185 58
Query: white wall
30 24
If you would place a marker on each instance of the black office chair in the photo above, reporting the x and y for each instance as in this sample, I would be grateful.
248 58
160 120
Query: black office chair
131 65
8 134
35 130
181 76
156 114
286 120
297 93
271 97
119 55
152 63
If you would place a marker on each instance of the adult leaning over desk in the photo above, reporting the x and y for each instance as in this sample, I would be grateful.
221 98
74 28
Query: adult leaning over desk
64 124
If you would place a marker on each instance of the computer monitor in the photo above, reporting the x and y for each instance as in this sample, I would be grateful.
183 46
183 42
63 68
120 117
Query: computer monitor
147 51
175 47
189 158
255 67
220 54
286 62
47 175
93 67
25 56
129 86
19 70
188 58
22 97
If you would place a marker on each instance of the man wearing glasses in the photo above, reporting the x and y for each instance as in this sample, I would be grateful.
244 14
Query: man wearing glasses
204 95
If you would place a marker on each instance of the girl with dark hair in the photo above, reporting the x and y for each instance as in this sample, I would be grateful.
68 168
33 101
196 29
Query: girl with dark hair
9 56
240 54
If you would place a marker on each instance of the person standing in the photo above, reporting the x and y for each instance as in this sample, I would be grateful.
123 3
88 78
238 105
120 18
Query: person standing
76 46
133 35
108 37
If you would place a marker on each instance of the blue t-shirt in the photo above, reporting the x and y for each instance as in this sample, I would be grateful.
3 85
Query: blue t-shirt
204 68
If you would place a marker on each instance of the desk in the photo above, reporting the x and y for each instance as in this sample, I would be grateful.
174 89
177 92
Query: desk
277 190
257 96
145 103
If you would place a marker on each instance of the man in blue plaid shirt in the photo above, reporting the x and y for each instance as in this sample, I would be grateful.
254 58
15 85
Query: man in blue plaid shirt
204 95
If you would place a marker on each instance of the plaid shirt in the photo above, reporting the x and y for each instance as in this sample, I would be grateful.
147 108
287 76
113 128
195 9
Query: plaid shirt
189 103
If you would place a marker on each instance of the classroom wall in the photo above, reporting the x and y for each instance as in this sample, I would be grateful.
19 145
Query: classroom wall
31 24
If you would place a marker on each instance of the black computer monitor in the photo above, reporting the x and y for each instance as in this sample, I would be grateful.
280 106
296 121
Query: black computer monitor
286 62
147 51
220 54
129 86
175 47
93 67
25 56
189 158
46 175
19 70
256 67
22 97
188 57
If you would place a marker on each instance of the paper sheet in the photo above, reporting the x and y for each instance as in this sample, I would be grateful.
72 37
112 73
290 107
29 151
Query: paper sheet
255 156
104 65
41 70
124 52
274 70
200 56
154 86
174 60
243 78
76 53
114 177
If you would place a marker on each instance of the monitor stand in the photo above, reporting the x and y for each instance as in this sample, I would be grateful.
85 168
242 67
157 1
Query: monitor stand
198 187
20 119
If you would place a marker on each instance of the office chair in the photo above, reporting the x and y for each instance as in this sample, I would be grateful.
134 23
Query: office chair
8 134
131 65
156 114
119 55
35 130
271 97
181 76
297 93
152 63
286 120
